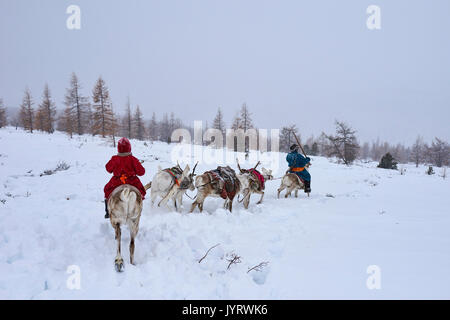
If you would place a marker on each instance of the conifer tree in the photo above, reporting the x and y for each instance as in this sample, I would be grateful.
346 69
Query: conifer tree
103 115
26 114
218 122
46 113
3 118
138 123
78 103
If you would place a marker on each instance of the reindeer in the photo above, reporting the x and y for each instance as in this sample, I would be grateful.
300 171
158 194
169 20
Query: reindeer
253 183
125 207
171 183
291 182
221 182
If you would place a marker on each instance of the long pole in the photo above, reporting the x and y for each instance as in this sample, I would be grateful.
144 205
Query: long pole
299 144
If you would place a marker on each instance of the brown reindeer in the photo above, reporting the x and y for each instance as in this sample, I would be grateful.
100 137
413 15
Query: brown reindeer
254 183
125 207
221 182
291 182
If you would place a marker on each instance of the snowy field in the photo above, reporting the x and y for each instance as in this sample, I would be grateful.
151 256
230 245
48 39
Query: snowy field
317 247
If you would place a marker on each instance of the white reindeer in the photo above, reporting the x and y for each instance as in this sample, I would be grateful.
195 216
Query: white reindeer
171 185
125 207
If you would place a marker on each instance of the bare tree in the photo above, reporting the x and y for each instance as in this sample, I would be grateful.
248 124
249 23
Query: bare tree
218 122
77 102
237 122
287 137
103 115
66 121
39 120
26 114
344 144
417 151
128 120
153 128
439 152
246 120
164 128
114 126
46 112
3 118
138 123
365 151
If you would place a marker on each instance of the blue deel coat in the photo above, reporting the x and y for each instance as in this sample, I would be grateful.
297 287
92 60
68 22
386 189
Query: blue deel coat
294 160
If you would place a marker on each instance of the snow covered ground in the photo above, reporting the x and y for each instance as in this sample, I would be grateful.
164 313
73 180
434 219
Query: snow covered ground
317 247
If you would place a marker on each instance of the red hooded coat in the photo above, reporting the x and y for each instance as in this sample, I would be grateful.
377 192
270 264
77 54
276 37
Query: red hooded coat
125 169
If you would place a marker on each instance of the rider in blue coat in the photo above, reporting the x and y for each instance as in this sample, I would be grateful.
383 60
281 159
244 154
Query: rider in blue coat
297 164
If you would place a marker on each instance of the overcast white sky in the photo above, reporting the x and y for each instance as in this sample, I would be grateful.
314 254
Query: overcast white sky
303 62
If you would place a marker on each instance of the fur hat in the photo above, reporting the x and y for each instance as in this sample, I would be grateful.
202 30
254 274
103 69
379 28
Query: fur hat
294 147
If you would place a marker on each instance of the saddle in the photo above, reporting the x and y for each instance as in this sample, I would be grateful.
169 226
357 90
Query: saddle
175 172
257 178
226 180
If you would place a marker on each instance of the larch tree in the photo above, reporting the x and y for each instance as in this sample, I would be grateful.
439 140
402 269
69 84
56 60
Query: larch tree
128 120
237 122
103 115
39 120
26 114
46 112
138 123
164 128
439 152
417 151
3 118
218 122
67 121
287 138
153 128
114 126
245 116
78 103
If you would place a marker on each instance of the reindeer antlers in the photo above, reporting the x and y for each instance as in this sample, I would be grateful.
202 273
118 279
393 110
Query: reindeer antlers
193 170
239 167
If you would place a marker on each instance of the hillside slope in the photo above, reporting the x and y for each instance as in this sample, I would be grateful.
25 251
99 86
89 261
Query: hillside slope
317 247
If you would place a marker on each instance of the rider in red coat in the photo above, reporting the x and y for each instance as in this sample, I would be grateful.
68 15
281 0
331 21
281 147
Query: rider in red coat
125 169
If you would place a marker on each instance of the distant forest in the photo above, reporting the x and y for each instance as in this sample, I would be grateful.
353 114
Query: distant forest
96 115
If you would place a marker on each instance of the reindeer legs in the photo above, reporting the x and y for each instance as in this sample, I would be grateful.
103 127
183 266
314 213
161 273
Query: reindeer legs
118 262
134 228
262 196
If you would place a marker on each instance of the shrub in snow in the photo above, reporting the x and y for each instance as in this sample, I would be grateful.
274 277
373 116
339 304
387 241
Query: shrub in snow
60 167
388 162
430 171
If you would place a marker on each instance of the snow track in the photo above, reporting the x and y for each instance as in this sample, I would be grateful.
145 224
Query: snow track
317 247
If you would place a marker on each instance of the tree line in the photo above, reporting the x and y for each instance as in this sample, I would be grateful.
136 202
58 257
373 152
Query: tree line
95 115
344 145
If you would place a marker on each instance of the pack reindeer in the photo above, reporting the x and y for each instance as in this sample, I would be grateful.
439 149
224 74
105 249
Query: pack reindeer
255 182
291 182
125 207
221 182
171 183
